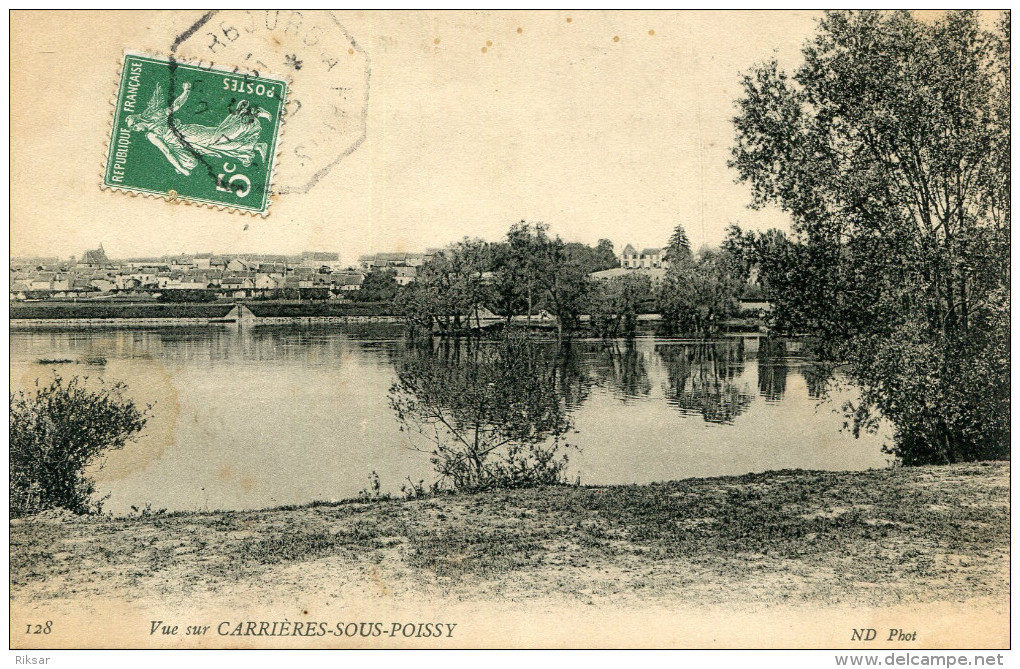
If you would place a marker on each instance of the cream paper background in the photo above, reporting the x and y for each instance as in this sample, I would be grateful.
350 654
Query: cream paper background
557 121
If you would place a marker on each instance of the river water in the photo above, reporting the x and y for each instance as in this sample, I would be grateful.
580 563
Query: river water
262 417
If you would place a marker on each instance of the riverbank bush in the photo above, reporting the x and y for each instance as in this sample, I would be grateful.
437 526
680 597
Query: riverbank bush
56 433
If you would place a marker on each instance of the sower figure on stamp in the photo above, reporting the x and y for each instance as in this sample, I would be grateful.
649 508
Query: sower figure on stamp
235 137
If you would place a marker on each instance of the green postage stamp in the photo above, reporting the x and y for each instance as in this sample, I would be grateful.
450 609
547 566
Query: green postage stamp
195 133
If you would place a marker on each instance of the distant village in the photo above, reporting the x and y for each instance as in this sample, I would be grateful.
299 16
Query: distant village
312 274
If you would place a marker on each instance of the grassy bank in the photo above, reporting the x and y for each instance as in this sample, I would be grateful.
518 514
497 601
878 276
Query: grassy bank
878 538
95 310
261 308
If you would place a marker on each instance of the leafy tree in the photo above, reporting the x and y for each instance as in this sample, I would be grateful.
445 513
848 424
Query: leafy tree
697 296
739 245
616 302
699 292
493 413
889 148
800 281
592 259
605 256
450 289
533 270
468 261
563 280
57 432
380 285
419 304
515 266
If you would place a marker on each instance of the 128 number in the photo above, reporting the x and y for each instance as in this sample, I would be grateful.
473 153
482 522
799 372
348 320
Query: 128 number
40 629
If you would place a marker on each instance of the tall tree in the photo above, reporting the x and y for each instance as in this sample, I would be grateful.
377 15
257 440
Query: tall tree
515 265
534 269
615 303
678 250
888 148
605 256
593 259
563 280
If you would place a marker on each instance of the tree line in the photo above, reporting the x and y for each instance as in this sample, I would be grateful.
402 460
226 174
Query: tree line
531 271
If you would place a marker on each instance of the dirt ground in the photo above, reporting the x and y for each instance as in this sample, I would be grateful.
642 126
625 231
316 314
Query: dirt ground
876 538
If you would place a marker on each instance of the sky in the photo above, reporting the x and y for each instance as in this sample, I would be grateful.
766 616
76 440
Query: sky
600 124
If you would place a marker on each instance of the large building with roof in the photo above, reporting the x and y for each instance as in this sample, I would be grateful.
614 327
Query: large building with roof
649 258
95 258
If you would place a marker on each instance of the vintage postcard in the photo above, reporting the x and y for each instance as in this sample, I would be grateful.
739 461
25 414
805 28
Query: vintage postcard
510 329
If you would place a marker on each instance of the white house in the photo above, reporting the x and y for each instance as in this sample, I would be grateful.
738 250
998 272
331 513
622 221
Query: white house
266 282
348 281
405 275
179 283
649 258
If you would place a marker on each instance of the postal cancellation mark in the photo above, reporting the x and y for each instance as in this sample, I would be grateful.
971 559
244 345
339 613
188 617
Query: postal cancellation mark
328 68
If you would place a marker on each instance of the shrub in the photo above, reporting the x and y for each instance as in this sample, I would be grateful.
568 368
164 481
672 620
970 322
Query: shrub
495 414
56 433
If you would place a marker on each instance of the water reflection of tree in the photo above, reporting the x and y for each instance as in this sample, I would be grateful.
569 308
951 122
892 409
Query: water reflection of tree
622 367
701 379
818 377
772 369
494 413
572 381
